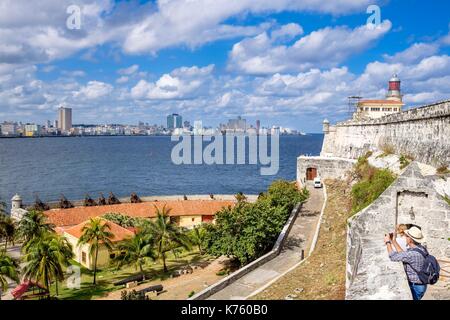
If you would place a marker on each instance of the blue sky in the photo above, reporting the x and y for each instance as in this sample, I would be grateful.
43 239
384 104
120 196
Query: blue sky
289 63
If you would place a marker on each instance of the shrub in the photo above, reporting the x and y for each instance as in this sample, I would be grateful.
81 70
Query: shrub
122 220
191 294
370 187
133 295
404 162
249 230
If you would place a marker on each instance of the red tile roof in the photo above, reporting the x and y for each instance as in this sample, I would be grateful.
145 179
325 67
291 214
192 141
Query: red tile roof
73 216
119 233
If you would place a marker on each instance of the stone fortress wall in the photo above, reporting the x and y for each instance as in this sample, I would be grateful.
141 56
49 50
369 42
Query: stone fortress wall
415 197
410 199
422 133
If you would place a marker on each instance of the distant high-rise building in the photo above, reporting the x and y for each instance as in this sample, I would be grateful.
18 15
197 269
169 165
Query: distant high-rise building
258 125
186 124
64 119
198 127
174 120
237 124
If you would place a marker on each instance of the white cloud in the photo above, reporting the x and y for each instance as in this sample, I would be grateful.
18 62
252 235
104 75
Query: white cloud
183 82
122 79
322 48
193 23
129 71
94 90
287 31
414 53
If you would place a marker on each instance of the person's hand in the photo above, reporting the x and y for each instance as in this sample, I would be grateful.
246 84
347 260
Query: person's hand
387 238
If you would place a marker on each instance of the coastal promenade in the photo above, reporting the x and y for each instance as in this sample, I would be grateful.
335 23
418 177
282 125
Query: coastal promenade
300 239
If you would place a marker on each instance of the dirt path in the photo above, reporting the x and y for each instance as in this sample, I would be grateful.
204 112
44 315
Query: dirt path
179 288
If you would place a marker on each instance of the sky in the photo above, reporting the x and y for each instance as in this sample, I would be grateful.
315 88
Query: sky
291 63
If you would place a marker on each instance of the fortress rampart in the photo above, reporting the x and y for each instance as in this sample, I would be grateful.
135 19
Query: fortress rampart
421 133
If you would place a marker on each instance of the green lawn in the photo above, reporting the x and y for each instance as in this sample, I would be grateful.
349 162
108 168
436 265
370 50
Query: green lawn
107 277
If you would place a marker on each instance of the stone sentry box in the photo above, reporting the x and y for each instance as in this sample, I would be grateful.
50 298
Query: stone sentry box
410 199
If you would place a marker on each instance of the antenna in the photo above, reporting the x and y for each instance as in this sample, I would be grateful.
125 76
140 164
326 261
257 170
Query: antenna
352 104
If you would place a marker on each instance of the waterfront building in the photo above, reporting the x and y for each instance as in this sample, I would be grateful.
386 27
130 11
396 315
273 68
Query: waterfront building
32 130
64 119
174 120
372 109
8 129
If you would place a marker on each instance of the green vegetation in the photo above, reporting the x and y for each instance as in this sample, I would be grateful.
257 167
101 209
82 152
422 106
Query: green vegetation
8 269
94 233
7 229
197 236
404 161
166 235
191 294
33 225
133 295
249 230
371 184
107 276
122 220
137 251
222 273
447 199
45 257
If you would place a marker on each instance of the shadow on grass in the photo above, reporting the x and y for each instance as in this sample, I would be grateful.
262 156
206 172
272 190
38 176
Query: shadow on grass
87 291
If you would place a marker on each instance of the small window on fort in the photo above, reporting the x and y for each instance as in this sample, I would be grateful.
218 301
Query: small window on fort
112 255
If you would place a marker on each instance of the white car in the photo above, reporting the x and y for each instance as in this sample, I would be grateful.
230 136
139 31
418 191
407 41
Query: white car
317 183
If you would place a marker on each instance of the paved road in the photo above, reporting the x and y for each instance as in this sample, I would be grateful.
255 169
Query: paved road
299 238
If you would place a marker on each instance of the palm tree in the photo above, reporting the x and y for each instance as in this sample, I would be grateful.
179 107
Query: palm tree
45 257
94 233
197 237
33 225
7 228
66 254
8 269
166 234
138 250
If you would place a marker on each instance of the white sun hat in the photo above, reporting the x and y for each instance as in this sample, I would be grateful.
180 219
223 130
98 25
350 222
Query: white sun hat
415 234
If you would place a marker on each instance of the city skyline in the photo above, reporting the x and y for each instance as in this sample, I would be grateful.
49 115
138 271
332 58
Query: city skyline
174 125
290 63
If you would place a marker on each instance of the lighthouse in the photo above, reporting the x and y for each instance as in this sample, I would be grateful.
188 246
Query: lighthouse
394 93
376 108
